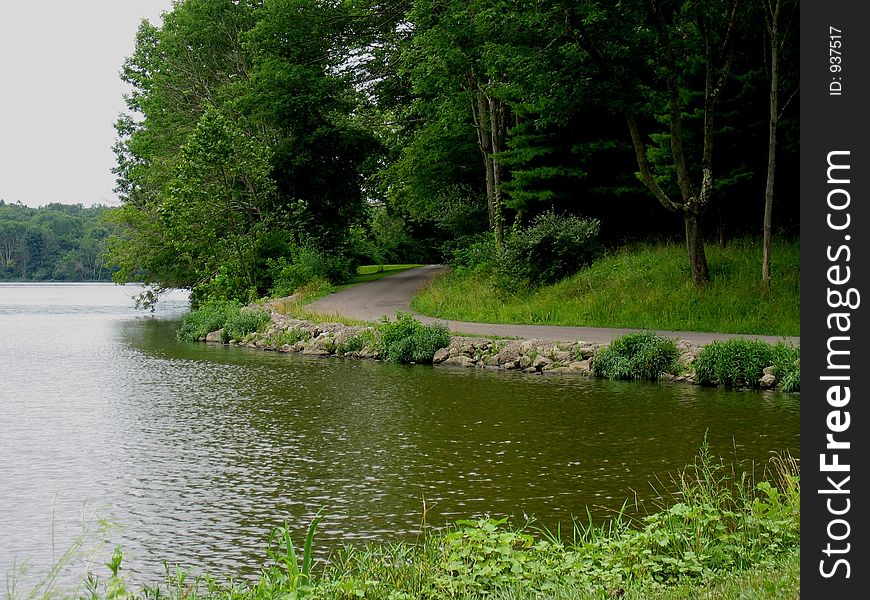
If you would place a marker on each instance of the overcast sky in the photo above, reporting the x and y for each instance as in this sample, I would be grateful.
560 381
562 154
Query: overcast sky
60 95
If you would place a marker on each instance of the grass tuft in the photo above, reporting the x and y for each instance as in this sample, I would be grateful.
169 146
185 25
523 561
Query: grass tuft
741 362
643 355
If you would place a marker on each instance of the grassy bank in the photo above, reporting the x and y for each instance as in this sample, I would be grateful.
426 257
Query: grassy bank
644 286
723 535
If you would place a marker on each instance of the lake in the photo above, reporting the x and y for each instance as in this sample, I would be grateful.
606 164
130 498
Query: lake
195 452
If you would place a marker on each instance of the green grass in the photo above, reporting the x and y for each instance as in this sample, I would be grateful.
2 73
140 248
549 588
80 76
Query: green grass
645 286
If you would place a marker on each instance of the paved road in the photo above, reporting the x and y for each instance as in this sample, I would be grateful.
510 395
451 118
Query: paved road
384 297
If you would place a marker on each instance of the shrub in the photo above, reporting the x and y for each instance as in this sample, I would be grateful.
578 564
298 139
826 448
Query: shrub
406 340
207 318
357 342
548 250
643 355
241 323
307 264
741 361
471 252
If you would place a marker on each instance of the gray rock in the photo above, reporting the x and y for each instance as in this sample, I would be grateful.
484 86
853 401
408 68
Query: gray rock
525 362
559 370
540 362
315 351
508 356
584 351
580 366
563 357
460 361
441 355
767 382
215 337
688 357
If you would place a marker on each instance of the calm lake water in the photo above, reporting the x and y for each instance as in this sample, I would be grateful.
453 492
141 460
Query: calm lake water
197 451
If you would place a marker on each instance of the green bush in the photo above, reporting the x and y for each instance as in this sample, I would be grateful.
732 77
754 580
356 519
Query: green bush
741 362
207 318
551 248
473 251
307 264
406 340
637 356
243 322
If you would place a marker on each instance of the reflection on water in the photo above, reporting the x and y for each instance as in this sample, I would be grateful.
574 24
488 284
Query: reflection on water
199 450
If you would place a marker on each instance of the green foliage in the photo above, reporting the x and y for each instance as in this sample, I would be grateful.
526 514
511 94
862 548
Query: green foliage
473 252
406 340
292 576
247 320
790 377
303 267
290 337
551 248
240 149
55 242
207 318
741 362
643 355
356 343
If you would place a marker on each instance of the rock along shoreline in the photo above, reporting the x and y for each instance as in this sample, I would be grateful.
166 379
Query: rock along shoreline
533 356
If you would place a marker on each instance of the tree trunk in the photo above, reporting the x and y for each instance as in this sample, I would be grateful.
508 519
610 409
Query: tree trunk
481 116
695 247
767 230
497 128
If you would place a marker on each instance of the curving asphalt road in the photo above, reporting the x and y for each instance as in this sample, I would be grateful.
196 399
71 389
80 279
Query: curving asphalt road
393 293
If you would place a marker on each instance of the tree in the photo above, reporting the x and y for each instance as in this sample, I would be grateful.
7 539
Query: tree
240 145
778 26
449 74
709 27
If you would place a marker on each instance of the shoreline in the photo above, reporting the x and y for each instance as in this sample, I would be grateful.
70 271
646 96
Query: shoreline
290 335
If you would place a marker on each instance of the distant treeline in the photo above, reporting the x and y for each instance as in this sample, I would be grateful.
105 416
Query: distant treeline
57 242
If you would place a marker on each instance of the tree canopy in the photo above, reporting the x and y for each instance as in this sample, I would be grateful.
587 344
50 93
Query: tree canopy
261 133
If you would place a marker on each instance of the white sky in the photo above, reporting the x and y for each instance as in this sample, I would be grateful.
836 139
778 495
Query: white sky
60 94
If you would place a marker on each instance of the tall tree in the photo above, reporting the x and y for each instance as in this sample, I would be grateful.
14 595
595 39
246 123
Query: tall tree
240 145
704 30
778 26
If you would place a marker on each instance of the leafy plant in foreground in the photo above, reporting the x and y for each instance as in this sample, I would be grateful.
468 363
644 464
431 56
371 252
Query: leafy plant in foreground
298 576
